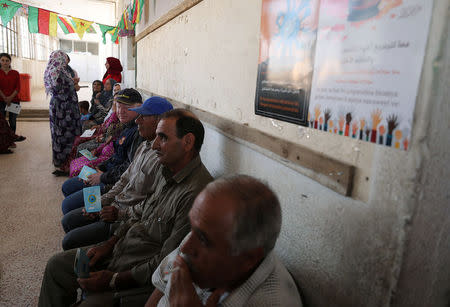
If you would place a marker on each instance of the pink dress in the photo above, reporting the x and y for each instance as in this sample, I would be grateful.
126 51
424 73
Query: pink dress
106 150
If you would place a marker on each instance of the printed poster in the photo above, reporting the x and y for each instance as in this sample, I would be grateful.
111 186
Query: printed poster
286 59
368 61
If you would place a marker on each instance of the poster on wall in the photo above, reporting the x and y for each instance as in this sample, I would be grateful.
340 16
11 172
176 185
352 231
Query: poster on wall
286 59
368 61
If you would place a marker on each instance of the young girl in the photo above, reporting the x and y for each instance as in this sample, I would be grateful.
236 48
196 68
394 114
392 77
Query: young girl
9 90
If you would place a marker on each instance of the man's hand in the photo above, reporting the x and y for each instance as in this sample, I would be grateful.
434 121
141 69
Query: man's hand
99 252
182 292
94 179
90 215
97 281
109 214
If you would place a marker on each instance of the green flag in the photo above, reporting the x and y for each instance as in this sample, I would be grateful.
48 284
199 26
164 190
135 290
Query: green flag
7 10
104 29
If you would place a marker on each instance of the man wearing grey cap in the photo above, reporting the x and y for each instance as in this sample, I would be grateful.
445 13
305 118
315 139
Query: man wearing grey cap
130 189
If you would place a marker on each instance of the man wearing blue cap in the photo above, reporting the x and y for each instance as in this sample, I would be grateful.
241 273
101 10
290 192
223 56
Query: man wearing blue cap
131 188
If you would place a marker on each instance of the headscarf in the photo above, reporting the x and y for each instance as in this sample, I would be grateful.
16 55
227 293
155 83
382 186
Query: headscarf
114 66
56 67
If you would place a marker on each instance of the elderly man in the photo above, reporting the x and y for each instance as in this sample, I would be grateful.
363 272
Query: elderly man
227 258
154 228
110 170
131 188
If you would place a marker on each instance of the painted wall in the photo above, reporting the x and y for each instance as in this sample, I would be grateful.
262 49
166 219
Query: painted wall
343 251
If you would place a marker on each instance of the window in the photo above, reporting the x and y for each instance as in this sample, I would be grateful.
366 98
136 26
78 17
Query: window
8 37
92 48
65 45
78 46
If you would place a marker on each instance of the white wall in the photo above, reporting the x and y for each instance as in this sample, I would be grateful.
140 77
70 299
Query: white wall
343 251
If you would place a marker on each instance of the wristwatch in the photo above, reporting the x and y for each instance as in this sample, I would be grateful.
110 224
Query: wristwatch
112 282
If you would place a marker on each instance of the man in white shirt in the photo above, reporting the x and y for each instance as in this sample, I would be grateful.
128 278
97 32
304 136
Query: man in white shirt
227 258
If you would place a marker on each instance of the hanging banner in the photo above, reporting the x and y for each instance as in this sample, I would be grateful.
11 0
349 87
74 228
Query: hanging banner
368 61
7 10
286 58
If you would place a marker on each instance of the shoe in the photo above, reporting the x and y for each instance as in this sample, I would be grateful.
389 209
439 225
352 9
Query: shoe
8 151
20 138
13 145
60 173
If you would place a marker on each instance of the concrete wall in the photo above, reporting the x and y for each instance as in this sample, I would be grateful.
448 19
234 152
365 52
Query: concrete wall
358 251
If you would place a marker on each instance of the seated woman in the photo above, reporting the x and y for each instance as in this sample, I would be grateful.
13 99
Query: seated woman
113 70
104 148
100 105
111 126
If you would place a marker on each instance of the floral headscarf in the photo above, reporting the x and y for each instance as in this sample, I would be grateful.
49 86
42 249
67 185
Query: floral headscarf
56 67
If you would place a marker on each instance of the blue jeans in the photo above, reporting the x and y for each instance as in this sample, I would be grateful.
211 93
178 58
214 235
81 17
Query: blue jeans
72 189
82 231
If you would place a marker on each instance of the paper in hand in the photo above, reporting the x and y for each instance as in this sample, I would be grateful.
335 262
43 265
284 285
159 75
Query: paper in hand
13 108
87 154
92 199
85 172
88 133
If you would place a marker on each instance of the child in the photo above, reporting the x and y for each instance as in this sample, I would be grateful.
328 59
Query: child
84 110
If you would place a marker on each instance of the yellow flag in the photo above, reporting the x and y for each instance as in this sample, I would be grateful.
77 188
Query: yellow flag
81 26
52 24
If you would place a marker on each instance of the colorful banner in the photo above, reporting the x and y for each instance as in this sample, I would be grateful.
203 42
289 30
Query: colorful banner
367 68
81 26
42 21
46 22
65 25
286 57
137 11
7 10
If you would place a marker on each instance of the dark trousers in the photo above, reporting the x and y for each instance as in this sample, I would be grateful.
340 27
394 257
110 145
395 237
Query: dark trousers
12 116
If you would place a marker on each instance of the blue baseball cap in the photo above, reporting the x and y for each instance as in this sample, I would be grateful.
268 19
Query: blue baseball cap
154 106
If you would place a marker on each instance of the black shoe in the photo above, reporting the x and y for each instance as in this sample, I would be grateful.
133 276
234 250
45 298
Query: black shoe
59 173
8 151
20 138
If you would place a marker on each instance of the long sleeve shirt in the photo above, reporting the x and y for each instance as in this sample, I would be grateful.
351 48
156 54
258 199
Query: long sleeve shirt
157 224
136 182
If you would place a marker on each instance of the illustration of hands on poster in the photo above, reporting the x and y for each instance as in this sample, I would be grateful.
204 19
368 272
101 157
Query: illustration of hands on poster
368 61
286 59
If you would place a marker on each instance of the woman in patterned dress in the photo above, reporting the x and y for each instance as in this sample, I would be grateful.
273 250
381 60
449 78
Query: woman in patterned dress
65 115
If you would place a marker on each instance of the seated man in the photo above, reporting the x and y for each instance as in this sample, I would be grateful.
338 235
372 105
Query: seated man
124 148
227 258
155 226
132 187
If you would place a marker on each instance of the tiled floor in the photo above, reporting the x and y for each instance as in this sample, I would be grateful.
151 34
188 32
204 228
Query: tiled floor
30 211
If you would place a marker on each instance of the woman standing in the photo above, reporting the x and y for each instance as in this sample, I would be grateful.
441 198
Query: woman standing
113 70
64 111
9 88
